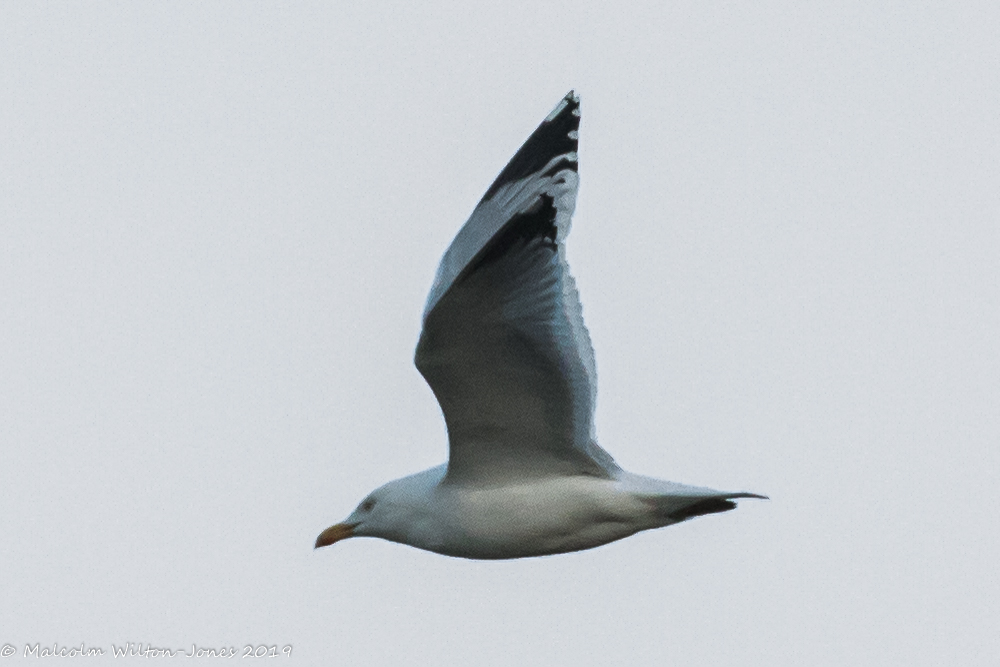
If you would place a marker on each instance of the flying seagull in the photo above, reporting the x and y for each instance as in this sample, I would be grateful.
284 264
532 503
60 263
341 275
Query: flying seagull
505 351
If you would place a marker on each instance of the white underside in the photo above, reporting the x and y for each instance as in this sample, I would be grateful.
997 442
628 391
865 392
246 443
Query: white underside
534 517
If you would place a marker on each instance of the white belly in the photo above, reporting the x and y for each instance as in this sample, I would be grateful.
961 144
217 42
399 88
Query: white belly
534 518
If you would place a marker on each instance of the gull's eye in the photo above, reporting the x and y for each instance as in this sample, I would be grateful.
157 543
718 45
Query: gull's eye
368 505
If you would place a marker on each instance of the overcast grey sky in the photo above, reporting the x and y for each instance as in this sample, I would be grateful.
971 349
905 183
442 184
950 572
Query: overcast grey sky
218 226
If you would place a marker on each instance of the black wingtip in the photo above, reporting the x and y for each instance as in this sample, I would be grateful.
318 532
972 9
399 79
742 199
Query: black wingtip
703 507
568 105
557 135
712 506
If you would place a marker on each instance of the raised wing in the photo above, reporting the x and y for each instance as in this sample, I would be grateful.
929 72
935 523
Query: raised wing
504 347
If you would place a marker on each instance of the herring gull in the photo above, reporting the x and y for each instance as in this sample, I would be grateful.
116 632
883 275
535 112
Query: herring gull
507 355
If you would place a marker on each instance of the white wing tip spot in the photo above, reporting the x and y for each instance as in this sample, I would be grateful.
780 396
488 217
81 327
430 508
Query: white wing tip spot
563 103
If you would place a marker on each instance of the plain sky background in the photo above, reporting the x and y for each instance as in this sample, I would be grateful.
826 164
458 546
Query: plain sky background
218 225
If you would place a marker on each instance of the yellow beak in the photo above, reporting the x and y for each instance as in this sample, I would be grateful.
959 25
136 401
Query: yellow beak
336 533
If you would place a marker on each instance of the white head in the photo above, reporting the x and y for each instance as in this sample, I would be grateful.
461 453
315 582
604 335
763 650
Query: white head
394 511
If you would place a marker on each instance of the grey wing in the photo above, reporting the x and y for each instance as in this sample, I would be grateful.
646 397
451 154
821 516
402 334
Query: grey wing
503 346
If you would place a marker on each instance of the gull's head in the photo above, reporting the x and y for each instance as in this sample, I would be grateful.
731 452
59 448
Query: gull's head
392 511
364 520
397 511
